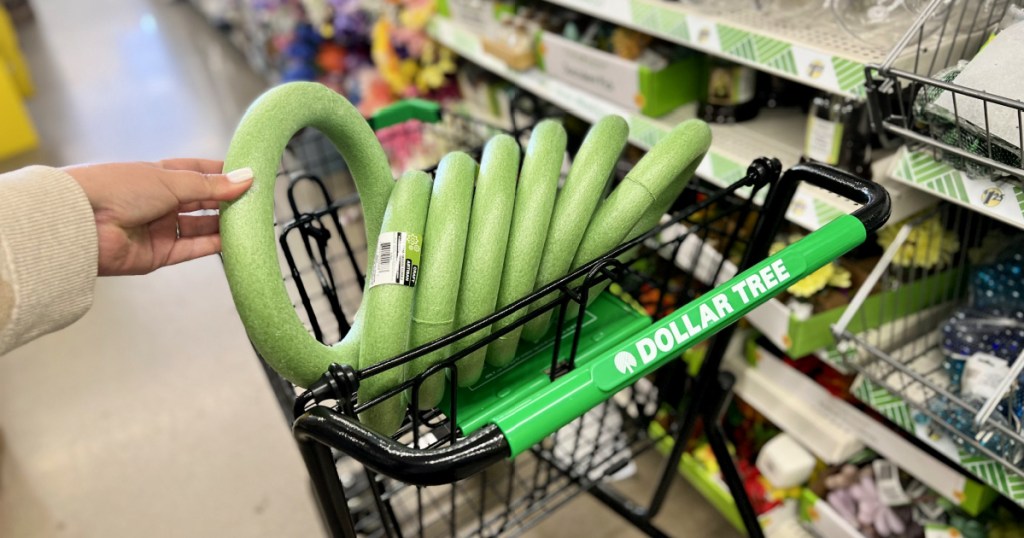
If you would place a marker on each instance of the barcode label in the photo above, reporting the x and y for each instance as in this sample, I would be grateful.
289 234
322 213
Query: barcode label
397 259
385 258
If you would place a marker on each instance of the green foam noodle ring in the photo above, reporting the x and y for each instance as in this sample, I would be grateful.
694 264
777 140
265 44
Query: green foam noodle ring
247 225
486 244
531 216
437 288
575 205
387 308
642 192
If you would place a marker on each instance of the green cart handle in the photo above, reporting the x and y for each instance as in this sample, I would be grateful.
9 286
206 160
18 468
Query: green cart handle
572 395
405 110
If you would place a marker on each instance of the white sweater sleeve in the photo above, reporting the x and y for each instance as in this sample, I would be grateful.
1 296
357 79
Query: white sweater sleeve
48 254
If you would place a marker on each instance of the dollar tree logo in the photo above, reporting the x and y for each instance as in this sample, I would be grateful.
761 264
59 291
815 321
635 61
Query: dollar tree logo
625 362
815 69
992 196
700 317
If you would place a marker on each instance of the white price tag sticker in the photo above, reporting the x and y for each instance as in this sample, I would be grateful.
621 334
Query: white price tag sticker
397 260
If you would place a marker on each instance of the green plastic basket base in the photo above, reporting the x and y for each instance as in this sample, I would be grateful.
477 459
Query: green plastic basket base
607 322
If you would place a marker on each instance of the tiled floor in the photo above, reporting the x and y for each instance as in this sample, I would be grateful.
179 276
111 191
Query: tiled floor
150 416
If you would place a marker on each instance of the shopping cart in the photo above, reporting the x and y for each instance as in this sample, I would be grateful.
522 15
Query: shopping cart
488 463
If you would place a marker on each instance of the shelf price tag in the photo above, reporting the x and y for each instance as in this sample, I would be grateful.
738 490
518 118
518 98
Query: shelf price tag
704 33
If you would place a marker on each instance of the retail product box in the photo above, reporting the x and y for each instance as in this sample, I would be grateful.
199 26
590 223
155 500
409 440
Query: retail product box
624 82
795 403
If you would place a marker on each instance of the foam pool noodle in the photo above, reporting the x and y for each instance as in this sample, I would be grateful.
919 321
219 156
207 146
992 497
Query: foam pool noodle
437 288
387 308
591 169
531 216
489 225
647 191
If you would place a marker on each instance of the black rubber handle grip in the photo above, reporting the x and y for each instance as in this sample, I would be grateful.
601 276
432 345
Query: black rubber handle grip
874 199
421 467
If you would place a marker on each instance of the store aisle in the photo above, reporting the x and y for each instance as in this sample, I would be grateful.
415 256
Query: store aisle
149 417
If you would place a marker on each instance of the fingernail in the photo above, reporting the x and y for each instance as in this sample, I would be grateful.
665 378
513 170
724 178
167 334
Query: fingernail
240 175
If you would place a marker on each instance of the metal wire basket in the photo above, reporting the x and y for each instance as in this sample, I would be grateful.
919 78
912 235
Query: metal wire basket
915 96
444 474
908 359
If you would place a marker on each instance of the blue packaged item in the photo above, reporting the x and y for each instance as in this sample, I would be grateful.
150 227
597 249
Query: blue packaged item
990 438
999 286
972 330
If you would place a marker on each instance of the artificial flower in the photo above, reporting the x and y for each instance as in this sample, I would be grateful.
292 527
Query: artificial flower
928 246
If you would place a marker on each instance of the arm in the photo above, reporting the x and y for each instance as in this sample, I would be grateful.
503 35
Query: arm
59 229
48 254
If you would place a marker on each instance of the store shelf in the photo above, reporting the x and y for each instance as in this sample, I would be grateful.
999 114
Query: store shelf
1001 200
796 404
812 416
817 53
775 133
798 337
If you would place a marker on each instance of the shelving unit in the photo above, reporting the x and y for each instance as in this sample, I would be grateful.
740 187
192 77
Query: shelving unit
774 133
823 424
821 55
902 364
833 430
773 319
796 404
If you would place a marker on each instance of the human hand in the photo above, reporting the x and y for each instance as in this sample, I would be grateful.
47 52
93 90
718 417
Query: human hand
140 210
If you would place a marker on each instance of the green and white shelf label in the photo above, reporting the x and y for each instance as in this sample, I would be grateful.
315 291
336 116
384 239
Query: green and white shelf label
1002 200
